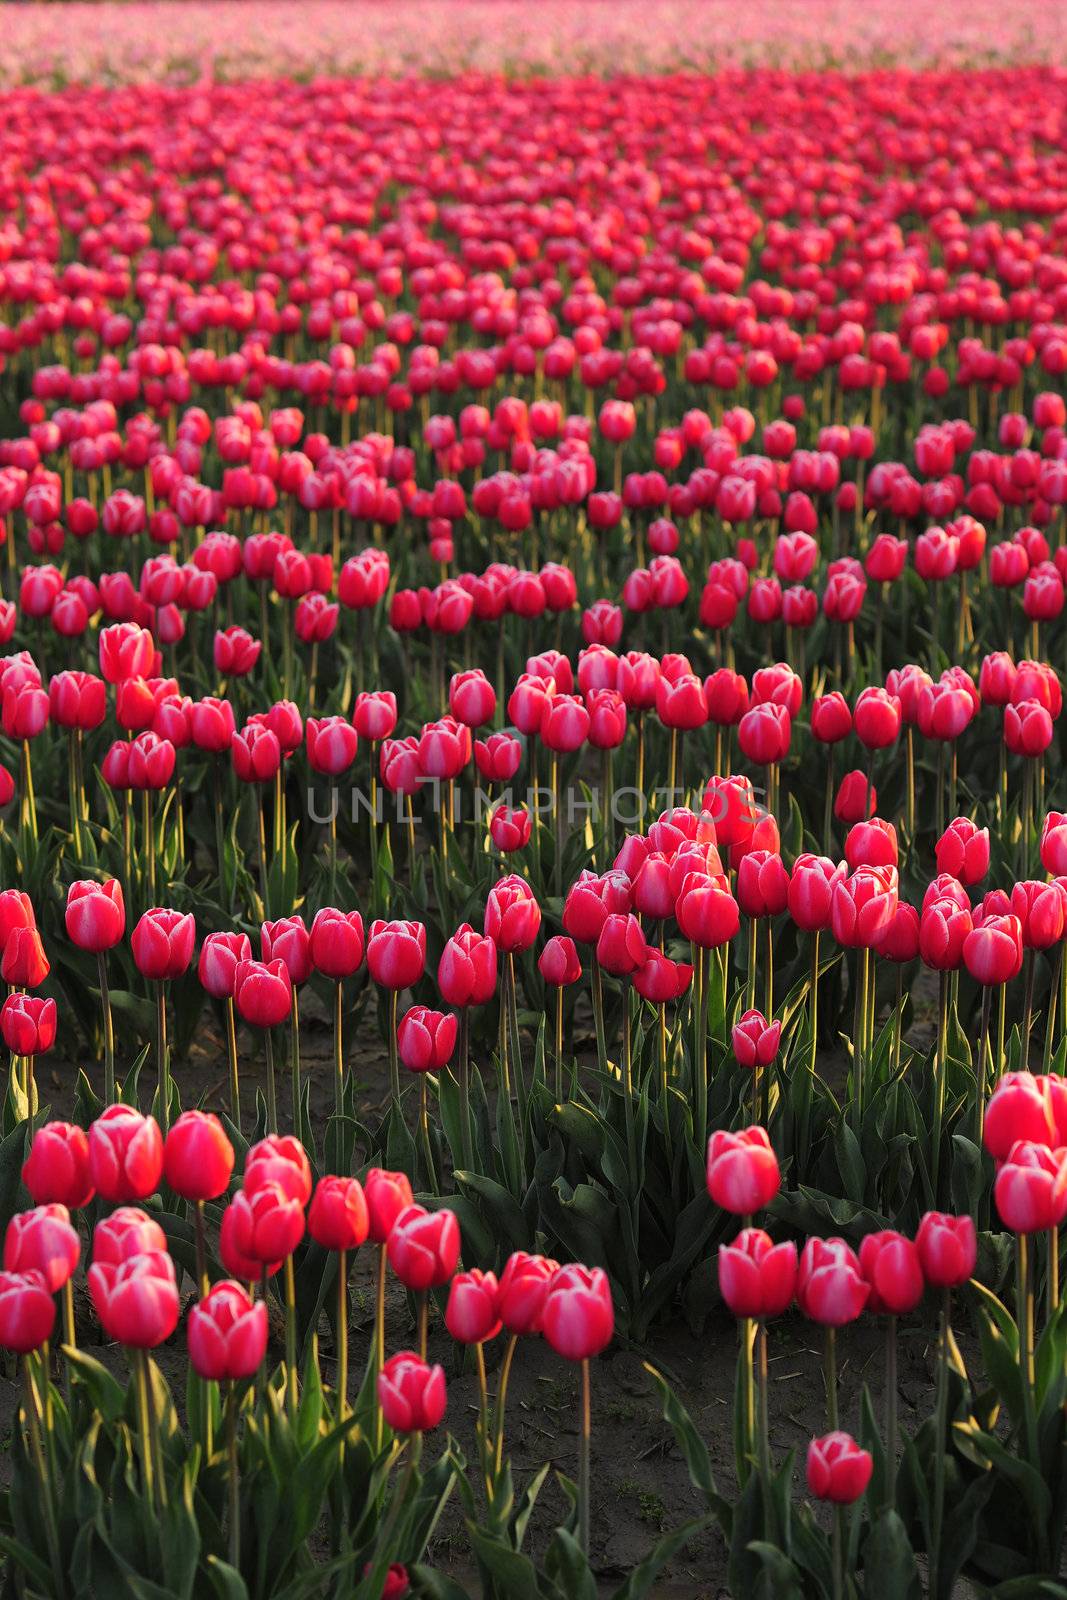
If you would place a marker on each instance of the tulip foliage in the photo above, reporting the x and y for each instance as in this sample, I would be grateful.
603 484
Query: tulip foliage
531 803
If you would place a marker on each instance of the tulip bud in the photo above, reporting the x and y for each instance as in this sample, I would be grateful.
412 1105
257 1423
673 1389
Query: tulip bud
838 1470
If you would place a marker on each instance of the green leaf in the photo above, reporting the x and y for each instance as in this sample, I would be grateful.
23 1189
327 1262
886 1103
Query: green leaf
889 1569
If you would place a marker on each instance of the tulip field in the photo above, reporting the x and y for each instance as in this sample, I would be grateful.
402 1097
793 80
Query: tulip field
533 822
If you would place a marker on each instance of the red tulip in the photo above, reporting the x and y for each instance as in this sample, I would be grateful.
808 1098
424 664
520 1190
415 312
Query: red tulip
524 1285
810 891
42 1240
621 947
993 950
197 1156
24 964
948 1249
891 1266
1031 1188
1040 910
707 912
591 900
338 1218
162 943
128 1231
512 914
336 942
757 1278
742 1170
125 1154
467 971
755 1040
862 906
578 1318
660 979
831 719
762 884
137 1300
27 1311
426 1039
830 1286
1027 728
28 1024
471 1314
267 1225
280 1159
558 962
227 1333
423 1247
838 1470
396 953
876 718
1054 843
331 745
412 1395
1020 1109
57 1167
375 714
288 940
387 1195
220 956
963 851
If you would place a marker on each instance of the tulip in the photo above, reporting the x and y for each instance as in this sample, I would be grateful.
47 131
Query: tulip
136 1299
43 1241
742 1170
757 1278
412 1395
28 1025
963 851
227 1333
263 995
948 1250
426 1039
24 964
755 1040
467 971
27 1311
125 1154
830 1285
95 916
1031 1188
837 1469
339 1220
512 915
267 1223
197 1156
1019 1110
423 1249
162 944
57 1167
471 1315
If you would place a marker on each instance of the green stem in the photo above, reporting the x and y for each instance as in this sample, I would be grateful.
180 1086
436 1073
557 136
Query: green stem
830 1377
584 1443
342 1334
290 1337
231 1050
272 1090
109 1030
162 1054
233 1481
890 1412
940 1444
31 1409
338 1052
